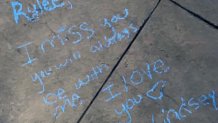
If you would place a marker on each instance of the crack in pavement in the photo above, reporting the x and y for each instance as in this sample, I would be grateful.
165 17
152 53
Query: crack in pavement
211 24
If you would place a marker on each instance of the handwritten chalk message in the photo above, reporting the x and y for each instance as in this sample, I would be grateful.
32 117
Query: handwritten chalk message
34 10
39 76
81 33
61 99
74 34
136 78
155 93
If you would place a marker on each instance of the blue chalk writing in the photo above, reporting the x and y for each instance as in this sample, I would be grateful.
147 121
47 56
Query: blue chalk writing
61 35
59 66
93 75
117 17
127 106
97 47
131 102
163 111
40 76
51 42
49 96
135 29
172 111
179 115
112 96
83 82
125 83
115 36
30 15
124 110
77 34
70 5
18 12
76 56
52 99
137 78
71 31
61 29
133 77
152 117
159 67
203 99
212 95
107 23
183 107
84 26
147 71
137 75
154 87
191 103
111 40
29 59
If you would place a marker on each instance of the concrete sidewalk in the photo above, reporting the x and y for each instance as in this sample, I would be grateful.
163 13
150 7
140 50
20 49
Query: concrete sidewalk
109 62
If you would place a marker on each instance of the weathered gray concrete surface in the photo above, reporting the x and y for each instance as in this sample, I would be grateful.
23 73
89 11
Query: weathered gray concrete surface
186 45
182 48
206 8
21 100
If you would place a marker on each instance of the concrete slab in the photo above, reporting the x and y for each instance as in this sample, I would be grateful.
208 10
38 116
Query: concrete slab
54 59
205 8
168 75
